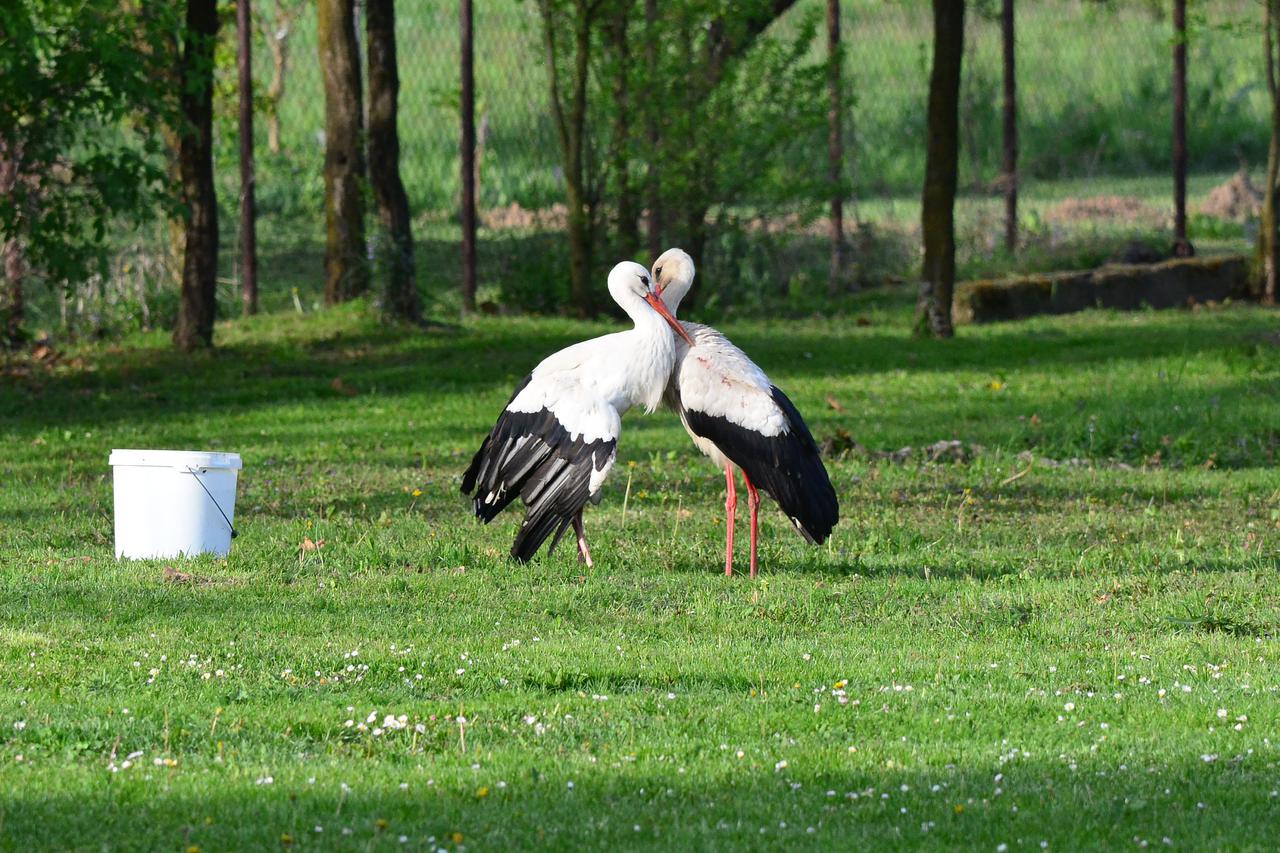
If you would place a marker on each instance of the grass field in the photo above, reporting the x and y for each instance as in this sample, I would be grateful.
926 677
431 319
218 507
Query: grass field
1015 649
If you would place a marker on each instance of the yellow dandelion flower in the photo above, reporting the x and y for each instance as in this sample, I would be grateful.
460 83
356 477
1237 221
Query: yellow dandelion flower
286 839
456 837
839 685
959 808
194 848
381 824
417 493
482 792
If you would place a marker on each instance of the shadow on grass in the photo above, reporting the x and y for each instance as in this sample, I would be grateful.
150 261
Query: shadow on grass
545 805
157 381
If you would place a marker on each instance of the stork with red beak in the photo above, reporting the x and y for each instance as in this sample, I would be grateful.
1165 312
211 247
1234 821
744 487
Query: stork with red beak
556 440
736 416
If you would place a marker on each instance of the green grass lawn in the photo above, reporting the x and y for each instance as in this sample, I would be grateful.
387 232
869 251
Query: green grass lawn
1017 649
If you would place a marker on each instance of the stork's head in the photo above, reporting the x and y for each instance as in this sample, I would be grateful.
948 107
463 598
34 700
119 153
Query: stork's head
673 276
629 284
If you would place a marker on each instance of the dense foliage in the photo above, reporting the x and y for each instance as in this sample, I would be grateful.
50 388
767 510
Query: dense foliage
84 95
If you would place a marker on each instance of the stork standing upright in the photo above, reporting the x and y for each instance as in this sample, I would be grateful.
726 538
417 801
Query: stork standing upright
736 416
556 439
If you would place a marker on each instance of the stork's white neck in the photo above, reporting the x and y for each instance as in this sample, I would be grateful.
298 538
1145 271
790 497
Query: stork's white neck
649 352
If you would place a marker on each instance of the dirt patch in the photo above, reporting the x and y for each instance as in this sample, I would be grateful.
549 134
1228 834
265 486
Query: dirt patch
1114 207
515 217
1236 199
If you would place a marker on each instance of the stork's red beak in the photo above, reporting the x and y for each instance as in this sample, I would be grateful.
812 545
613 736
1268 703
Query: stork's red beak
657 305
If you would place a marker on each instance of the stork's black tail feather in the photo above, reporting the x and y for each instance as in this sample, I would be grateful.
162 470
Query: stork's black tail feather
530 454
787 467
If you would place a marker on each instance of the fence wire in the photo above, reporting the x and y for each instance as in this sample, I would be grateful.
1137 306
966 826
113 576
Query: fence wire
1094 110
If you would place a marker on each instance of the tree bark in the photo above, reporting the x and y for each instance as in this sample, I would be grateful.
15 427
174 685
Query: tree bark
467 113
12 304
628 205
1010 129
1181 245
1268 236
248 213
938 214
402 300
835 147
345 262
198 305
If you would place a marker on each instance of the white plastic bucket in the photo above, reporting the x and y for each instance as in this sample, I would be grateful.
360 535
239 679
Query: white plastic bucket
171 503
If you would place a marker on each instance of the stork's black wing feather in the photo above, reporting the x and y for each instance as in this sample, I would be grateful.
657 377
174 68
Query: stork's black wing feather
787 466
532 455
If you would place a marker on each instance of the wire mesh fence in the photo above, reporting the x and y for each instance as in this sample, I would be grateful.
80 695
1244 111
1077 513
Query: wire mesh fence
1094 113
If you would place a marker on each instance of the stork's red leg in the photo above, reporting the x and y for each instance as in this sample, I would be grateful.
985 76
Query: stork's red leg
584 554
753 502
730 511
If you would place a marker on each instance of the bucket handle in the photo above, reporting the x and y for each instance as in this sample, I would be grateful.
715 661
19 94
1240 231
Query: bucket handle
192 472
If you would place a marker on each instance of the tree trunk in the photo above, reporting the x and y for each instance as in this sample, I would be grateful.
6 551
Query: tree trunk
653 198
345 263
467 147
248 214
1010 129
938 214
1181 245
12 305
198 306
628 205
402 300
835 147
1268 236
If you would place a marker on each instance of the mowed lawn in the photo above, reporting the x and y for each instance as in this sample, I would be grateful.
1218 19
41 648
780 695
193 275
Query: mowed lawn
1067 638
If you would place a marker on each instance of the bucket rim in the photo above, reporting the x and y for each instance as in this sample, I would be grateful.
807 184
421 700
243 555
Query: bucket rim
140 458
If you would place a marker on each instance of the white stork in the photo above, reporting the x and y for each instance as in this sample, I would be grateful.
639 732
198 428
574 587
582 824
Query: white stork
736 416
556 439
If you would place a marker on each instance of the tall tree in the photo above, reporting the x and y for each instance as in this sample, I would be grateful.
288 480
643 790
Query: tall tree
576 20
1181 245
197 307
12 272
1268 233
941 166
402 300
621 144
76 163
346 270
835 146
1010 181
467 115
248 213
728 35
653 195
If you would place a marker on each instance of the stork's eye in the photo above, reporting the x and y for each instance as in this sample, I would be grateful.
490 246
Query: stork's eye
658 272
644 279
